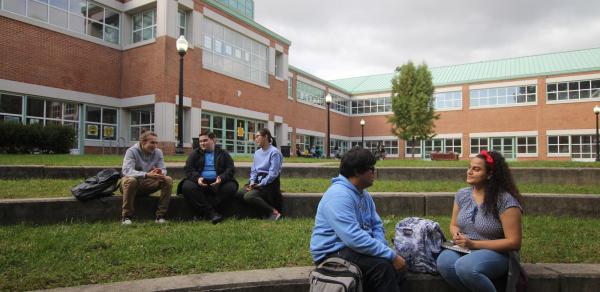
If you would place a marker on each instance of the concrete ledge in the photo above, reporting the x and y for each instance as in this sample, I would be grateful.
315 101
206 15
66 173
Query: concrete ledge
542 278
57 210
577 176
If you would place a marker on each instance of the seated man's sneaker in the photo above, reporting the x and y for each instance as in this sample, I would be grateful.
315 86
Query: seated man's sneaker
160 220
126 221
215 218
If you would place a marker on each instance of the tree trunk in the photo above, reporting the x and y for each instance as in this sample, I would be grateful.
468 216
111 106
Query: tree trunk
412 146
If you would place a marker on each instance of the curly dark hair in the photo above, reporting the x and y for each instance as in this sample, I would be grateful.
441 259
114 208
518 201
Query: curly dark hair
500 181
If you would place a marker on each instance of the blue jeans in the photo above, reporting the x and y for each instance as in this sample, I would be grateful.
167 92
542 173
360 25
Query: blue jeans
474 271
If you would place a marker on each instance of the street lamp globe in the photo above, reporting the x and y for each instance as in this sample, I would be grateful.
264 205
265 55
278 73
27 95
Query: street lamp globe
362 122
182 45
328 98
597 109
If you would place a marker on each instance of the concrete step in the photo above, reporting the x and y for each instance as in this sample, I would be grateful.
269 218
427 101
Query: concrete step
542 278
576 176
295 205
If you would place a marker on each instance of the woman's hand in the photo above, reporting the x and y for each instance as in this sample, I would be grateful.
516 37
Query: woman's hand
463 241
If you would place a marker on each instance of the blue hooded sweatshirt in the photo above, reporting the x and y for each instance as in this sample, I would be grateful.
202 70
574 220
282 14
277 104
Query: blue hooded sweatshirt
347 218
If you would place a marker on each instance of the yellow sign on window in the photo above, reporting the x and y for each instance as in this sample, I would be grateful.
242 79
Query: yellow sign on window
240 132
109 132
92 130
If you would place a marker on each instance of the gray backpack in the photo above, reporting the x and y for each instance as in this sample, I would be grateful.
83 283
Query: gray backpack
336 275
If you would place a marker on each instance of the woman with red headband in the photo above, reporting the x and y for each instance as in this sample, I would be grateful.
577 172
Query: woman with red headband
486 219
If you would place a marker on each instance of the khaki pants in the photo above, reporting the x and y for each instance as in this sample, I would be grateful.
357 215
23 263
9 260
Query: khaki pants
132 187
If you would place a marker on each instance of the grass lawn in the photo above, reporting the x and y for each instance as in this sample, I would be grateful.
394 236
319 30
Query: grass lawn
112 160
83 253
116 160
45 188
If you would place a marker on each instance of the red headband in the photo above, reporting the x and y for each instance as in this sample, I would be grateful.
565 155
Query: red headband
488 158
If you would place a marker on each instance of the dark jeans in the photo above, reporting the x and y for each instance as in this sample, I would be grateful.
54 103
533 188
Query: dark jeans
379 274
204 200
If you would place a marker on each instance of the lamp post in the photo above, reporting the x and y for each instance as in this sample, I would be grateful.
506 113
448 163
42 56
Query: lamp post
597 111
182 46
362 133
328 100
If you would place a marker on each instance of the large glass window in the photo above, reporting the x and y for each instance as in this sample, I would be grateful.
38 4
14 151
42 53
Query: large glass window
340 104
310 93
573 90
230 52
338 147
100 123
448 100
81 16
390 146
306 143
233 133
144 26
490 97
243 7
372 105
142 119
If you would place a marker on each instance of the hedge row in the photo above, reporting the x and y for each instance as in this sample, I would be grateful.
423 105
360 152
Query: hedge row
19 138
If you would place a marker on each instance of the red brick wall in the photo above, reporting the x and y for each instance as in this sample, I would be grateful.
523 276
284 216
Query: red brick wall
36 55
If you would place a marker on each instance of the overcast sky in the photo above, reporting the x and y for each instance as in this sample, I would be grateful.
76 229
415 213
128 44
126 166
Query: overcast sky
347 38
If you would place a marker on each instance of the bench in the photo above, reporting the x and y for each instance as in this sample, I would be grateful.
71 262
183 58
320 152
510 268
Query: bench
444 156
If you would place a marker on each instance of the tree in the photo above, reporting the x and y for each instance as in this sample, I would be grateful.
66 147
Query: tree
413 104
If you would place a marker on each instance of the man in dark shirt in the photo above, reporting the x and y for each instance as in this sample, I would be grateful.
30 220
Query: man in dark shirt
209 182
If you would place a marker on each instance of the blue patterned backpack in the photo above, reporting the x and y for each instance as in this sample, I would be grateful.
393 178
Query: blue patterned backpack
419 242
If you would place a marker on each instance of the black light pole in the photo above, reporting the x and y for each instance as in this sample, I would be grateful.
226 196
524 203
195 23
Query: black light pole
362 133
597 111
328 102
182 46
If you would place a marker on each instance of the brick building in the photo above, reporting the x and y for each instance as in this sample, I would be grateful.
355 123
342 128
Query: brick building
110 69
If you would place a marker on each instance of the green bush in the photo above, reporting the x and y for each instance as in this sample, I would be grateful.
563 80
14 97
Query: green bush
19 138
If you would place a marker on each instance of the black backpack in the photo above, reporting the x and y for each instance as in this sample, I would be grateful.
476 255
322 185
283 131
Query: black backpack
103 184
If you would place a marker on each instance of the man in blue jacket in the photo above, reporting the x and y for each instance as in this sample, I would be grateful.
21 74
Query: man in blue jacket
348 226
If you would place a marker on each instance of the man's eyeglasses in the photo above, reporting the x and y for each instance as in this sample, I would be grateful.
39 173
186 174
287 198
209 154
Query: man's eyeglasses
372 169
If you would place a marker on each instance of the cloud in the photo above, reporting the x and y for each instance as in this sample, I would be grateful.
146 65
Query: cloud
339 39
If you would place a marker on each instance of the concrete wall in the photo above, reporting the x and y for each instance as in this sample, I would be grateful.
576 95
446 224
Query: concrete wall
542 278
574 176
56 210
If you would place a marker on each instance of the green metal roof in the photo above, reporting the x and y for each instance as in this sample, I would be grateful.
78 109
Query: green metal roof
247 20
331 85
494 70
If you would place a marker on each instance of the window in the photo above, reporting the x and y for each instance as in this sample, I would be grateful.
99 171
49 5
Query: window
51 112
233 133
290 90
230 52
340 104
372 105
448 100
573 90
144 26
490 97
414 149
100 123
306 143
11 108
442 145
310 93
558 145
181 22
478 144
243 7
583 146
279 64
142 119
453 145
338 147
526 145
80 16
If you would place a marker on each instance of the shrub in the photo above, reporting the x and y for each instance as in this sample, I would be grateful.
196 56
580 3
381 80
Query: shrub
19 138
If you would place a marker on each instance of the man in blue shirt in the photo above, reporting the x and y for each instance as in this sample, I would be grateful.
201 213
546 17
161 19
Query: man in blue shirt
348 226
209 182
